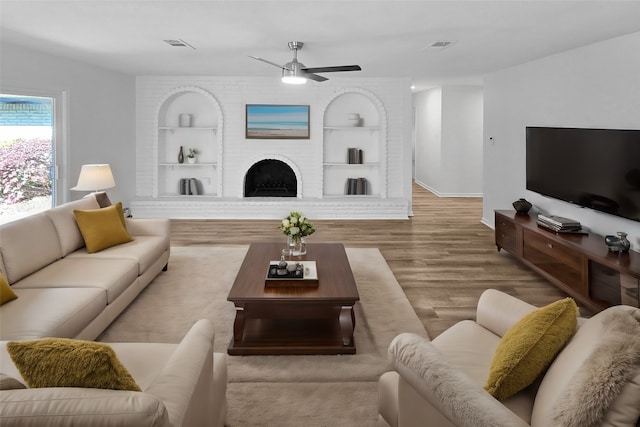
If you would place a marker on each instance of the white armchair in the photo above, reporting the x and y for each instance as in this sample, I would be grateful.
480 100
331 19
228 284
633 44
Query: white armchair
440 383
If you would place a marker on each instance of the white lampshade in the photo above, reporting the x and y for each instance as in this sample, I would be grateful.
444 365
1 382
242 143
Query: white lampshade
95 178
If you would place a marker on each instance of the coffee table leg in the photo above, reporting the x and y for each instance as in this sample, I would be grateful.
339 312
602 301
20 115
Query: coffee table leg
347 325
238 326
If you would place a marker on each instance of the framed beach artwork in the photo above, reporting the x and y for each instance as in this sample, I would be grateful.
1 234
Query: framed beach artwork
277 121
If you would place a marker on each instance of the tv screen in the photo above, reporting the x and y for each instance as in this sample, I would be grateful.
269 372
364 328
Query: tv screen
594 168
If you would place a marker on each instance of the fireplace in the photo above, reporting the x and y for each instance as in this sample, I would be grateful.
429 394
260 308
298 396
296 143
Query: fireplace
270 178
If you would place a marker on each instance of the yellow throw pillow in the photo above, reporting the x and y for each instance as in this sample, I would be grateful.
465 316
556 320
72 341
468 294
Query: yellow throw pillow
6 293
102 228
529 347
63 362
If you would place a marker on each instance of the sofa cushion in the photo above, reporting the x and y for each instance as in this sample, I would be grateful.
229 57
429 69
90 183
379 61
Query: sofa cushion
66 225
6 293
102 228
145 250
71 406
52 312
529 346
9 383
64 362
565 372
27 245
469 347
114 275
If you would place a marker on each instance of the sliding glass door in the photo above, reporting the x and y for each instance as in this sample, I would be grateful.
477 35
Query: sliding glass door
27 155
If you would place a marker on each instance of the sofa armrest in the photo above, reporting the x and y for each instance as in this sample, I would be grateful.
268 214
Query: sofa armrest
186 384
498 311
148 226
456 396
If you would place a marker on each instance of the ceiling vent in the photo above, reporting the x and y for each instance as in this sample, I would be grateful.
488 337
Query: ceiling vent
440 44
178 43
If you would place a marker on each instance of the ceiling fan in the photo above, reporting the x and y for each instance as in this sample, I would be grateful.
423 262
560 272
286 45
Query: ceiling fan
295 72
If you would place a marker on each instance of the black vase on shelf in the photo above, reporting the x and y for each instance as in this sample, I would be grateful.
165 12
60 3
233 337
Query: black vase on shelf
522 206
181 155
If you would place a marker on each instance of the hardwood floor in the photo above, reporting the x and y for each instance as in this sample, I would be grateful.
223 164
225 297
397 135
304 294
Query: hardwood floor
443 257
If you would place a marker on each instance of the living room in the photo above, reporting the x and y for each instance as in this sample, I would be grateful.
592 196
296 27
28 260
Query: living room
112 117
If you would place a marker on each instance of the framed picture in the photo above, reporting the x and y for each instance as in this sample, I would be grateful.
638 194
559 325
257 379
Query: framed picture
277 121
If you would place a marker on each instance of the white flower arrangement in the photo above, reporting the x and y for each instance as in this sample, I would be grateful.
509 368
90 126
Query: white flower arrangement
296 225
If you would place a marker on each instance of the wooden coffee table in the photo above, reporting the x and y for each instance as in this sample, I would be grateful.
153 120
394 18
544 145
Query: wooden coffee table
294 320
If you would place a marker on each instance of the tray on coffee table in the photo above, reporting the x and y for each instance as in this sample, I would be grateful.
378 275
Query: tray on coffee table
307 277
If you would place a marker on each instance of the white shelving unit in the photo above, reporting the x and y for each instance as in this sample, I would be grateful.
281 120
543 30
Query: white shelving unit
203 134
369 136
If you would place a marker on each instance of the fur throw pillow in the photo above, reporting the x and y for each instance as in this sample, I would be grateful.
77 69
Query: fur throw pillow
604 373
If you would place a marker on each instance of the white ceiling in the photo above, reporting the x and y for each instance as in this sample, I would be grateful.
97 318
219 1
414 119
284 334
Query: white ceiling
386 38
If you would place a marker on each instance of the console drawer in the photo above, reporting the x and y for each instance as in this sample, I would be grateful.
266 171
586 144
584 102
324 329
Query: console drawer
567 256
560 262
505 234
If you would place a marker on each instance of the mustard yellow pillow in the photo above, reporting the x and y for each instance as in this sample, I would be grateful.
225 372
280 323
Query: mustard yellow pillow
63 362
102 228
6 293
529 347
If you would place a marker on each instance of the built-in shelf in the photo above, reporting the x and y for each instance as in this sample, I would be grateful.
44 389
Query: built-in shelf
188 164
369 139
355 128
203 135
352 164
185 128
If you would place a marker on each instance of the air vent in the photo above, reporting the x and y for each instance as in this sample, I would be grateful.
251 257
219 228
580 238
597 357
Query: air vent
178 43
441 44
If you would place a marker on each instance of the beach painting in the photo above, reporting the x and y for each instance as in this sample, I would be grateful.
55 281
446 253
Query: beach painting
277 121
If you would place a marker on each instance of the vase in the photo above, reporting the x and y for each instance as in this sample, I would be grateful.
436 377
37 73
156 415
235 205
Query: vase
297 245
191 160
522 206
181 155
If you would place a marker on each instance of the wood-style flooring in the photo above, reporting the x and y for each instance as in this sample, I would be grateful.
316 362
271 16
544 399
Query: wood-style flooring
443 257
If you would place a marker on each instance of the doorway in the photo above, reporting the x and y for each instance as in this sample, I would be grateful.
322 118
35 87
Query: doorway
27 155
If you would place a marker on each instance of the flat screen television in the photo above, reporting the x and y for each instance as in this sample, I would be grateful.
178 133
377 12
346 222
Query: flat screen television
594 168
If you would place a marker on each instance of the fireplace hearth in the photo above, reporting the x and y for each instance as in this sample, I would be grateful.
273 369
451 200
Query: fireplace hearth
270 178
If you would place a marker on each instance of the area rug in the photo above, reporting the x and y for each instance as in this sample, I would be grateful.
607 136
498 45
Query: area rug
196 286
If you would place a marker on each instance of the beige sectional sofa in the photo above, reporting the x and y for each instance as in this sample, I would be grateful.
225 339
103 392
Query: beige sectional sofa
183 385
62 290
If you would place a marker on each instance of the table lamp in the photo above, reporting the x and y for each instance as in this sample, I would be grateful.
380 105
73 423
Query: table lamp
95 178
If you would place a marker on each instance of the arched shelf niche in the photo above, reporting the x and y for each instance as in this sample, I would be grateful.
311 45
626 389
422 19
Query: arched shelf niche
199 129
354 119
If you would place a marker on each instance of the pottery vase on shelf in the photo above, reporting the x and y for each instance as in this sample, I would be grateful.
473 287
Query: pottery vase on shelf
354 119
184 120
191 160
297 245
181 155
522 206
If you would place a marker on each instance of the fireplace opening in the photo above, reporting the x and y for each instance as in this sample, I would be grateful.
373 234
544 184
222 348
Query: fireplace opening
270 178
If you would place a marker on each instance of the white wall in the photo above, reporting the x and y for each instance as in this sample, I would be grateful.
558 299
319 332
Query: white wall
239 153
100 114
596 86
449 140
428 105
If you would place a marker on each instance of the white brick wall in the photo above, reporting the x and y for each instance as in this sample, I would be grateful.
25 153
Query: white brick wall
238 153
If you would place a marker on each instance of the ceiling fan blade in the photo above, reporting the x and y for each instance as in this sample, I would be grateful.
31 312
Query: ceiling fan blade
269 62
315 77
332 69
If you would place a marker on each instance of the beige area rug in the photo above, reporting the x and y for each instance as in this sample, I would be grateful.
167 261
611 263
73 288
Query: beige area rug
313 390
